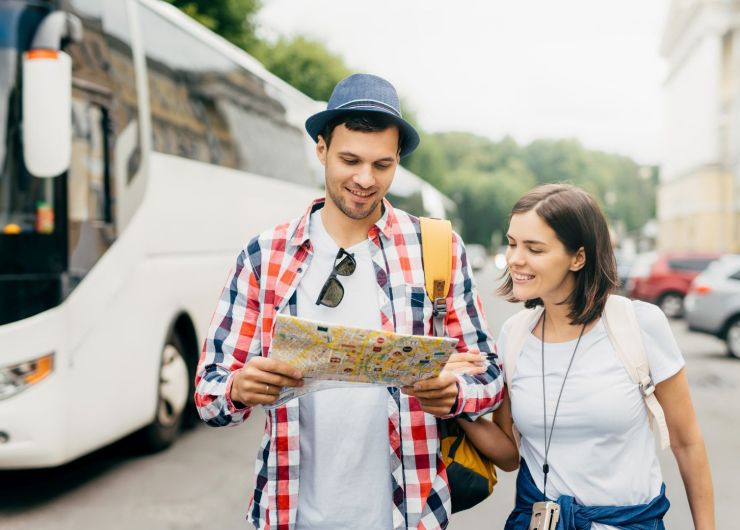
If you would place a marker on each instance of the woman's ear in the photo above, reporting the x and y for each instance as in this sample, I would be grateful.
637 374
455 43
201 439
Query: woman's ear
579 260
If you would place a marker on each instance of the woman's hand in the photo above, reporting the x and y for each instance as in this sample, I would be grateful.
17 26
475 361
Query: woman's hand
470 362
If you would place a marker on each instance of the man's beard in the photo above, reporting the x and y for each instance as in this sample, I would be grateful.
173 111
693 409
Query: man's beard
348 211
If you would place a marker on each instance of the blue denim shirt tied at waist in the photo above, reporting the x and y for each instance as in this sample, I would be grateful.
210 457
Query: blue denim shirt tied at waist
574 516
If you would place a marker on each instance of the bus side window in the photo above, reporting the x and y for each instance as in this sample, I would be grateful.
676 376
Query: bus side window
89 191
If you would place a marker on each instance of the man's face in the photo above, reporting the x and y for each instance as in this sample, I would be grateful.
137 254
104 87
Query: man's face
359 169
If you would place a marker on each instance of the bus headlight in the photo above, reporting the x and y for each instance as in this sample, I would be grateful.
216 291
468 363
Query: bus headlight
18 377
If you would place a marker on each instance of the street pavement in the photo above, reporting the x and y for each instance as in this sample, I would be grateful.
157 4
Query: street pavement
205 480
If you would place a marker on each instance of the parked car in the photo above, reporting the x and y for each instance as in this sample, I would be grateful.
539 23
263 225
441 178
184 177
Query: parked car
624 266
499 259
477 255
713 303
664 279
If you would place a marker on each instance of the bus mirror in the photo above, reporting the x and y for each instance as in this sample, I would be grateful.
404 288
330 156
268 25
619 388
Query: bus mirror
47 112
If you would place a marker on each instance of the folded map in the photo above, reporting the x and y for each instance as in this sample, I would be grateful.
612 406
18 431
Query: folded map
332 355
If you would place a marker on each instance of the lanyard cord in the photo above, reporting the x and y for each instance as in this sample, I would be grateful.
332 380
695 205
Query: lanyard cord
545 466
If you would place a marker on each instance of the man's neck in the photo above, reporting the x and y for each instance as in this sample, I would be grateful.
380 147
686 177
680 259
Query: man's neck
344 230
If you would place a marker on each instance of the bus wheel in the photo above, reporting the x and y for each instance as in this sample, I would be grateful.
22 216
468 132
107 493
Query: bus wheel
174 389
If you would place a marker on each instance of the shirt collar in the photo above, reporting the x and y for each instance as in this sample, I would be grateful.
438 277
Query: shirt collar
385 225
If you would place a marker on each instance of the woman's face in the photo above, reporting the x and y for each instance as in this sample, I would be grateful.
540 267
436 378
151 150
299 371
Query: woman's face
539 264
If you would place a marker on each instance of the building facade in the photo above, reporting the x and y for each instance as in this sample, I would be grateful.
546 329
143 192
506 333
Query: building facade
699 194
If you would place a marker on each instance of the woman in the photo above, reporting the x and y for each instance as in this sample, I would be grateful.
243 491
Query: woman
588 444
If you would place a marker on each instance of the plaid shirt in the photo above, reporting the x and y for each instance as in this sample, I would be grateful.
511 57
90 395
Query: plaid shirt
264 284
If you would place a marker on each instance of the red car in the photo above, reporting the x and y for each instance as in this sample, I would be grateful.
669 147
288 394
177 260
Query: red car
664 279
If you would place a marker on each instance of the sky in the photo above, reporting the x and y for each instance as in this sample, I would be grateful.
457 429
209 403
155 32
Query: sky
585 69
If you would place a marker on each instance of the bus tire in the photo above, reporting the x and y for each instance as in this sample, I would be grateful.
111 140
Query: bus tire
174 388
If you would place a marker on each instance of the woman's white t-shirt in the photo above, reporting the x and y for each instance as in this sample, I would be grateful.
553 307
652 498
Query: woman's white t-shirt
602 450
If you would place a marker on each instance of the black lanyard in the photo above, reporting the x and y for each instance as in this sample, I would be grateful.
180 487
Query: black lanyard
545 466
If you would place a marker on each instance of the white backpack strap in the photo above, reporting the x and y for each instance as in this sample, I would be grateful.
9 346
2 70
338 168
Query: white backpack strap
520 325
625 335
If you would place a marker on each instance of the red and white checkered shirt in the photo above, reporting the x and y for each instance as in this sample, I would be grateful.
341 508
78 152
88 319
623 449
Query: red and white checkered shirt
264 283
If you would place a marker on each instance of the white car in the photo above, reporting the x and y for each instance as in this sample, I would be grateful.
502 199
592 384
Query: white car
477 255
713 303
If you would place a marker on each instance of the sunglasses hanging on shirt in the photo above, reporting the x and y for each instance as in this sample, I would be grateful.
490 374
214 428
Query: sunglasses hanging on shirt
332 292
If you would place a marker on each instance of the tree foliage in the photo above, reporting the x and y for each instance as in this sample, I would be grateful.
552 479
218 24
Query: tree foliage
485 179
234 20
305 64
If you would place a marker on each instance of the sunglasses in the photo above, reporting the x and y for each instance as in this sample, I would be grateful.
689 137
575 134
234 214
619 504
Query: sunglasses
332 292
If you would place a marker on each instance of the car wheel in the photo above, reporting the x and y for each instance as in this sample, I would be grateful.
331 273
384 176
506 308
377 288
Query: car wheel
671 304
172 397
732 338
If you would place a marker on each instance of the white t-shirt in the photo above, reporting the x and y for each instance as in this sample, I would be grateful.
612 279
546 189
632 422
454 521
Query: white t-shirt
345 478
602 450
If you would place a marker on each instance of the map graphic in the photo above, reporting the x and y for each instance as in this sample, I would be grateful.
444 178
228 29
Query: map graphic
331 355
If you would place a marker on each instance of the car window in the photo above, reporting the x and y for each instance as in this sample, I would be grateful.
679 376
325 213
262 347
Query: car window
690 264
735 275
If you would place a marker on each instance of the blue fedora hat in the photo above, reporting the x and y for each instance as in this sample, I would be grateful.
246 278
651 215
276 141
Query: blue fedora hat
364 93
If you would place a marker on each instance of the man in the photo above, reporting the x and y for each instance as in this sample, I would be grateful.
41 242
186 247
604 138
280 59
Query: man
362 457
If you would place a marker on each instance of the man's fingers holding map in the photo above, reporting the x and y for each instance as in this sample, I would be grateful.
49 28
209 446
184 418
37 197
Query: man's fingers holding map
260 380
444 381
277 367
436 395
439 399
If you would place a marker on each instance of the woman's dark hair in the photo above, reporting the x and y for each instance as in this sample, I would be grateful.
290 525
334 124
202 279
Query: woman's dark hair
578 222
363 122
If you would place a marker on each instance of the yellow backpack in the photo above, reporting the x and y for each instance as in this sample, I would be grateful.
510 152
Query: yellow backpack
471 476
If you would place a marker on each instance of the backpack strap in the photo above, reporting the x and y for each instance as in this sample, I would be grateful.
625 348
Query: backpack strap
625 335
436 252
519 326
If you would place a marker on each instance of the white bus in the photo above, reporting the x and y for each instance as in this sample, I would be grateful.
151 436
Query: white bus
117 229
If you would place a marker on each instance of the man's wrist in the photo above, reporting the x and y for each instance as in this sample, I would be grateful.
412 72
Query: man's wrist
232 400
238 404
453 408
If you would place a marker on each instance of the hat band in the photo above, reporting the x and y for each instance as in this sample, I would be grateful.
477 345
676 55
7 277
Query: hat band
369 103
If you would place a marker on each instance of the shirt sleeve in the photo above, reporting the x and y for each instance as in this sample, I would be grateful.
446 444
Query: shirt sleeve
233 338
501 346
479 394
663 353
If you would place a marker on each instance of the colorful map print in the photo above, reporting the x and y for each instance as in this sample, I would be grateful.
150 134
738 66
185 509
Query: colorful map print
335 353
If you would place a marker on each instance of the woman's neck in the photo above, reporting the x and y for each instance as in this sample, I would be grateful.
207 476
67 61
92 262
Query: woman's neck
558 327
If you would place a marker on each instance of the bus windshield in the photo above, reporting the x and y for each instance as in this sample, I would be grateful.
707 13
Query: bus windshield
32 237
26 202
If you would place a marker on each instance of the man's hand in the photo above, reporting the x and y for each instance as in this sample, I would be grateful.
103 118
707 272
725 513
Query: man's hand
436 395
259 381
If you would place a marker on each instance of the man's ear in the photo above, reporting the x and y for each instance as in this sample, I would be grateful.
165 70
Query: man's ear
579 260
321 150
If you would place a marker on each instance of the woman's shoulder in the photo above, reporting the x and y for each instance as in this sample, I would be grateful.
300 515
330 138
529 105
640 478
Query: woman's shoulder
661 348
650 316
519 318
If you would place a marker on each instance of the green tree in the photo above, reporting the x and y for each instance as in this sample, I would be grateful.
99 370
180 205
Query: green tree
485 178
428 160
306 64
234 20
